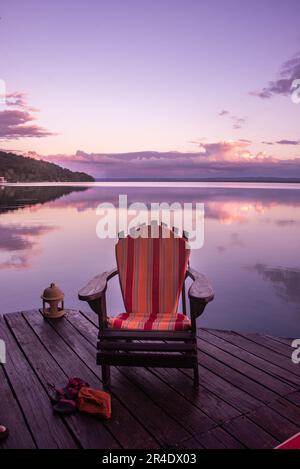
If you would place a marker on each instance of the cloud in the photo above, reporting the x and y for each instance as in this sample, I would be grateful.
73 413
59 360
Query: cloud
290 71
237 122
231 150
283 142
223 113
226 150
19 99
288 142
16 120
225 159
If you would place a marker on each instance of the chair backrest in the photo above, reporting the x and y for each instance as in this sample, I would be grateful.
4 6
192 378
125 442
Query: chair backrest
152 263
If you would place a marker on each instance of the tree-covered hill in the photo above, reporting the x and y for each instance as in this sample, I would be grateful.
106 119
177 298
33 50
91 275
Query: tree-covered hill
17 168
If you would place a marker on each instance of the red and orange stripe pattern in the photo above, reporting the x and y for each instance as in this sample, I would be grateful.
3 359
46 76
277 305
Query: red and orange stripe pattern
151 271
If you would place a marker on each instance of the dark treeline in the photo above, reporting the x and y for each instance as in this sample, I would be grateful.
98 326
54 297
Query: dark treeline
17 168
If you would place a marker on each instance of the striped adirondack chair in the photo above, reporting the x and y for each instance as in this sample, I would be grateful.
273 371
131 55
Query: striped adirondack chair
152 265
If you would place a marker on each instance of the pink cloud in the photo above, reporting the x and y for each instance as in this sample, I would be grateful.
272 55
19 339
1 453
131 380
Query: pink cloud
227 150
232 150
217 159
16 120
237 121
289 71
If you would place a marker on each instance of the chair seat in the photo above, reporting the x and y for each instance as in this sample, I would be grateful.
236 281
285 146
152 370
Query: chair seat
177 322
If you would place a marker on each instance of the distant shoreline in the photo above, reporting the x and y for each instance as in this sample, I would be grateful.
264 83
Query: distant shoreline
291 185
165 180
249 179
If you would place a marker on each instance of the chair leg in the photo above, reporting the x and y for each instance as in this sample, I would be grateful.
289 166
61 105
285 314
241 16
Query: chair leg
196 376
105 375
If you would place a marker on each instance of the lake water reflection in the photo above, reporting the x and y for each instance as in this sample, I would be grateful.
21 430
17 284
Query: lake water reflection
251 251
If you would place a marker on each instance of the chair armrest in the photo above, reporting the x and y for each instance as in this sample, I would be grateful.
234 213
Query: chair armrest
96 287
200 289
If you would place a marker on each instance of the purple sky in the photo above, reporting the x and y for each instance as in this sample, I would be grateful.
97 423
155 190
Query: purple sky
123 76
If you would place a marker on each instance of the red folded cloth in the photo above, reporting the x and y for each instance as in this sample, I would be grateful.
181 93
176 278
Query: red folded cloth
95 402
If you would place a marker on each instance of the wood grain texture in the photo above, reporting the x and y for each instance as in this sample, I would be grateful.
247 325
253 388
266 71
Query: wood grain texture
201 288
246 399
47 429
96 286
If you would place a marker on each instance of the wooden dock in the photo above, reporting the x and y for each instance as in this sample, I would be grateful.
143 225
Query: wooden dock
249 395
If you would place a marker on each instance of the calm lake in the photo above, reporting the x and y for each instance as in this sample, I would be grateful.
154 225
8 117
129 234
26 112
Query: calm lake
251 250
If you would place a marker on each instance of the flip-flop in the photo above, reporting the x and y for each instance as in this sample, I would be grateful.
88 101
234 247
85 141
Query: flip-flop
3 432
73 387
64 400
65 407
65 393
56 395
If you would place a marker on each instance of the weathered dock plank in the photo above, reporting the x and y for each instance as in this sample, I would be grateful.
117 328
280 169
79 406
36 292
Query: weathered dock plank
47 430
249 394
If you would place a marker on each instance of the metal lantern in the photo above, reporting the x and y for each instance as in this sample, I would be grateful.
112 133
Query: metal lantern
53 296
